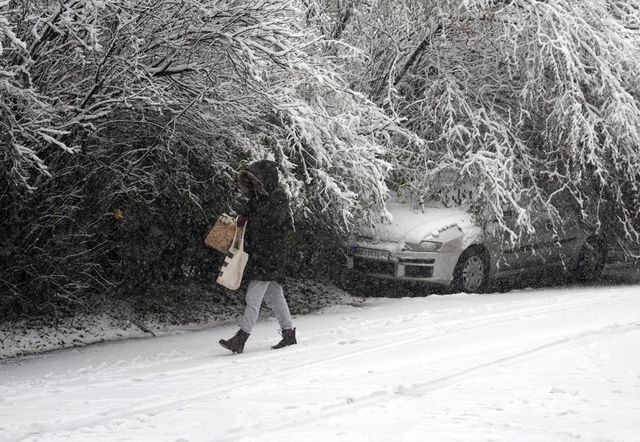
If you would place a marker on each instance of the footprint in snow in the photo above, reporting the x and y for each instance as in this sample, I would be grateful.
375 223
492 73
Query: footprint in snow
352 341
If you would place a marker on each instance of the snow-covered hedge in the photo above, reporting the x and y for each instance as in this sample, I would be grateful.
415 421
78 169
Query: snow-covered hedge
147 109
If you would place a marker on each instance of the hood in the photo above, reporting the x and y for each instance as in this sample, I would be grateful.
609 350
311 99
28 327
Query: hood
260 177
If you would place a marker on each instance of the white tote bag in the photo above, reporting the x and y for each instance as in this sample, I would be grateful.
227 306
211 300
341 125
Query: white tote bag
230 275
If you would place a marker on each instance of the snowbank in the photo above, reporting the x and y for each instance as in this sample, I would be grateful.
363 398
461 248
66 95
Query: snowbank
24 338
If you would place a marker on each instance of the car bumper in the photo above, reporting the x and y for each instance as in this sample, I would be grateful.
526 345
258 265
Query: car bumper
427 267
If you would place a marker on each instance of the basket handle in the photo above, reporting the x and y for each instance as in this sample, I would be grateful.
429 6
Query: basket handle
235 236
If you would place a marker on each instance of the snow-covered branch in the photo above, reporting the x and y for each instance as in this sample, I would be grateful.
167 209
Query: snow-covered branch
521 97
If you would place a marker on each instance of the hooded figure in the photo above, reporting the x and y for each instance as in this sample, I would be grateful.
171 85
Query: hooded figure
268 221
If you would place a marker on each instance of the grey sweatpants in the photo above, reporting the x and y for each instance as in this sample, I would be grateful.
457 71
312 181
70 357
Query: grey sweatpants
272 294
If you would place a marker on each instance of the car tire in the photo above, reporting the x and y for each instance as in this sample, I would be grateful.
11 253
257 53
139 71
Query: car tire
590 261
471 274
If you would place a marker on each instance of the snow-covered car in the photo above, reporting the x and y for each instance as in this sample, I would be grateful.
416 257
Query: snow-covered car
444 246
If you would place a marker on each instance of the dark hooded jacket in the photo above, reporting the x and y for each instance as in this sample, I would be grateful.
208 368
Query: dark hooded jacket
268 222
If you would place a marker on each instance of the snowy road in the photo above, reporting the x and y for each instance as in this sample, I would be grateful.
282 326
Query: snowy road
529 365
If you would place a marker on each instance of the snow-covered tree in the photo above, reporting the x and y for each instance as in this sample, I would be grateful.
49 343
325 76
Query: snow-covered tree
230 70
527 99
150 107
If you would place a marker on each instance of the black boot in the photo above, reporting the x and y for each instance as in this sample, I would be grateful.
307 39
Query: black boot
288 338
235 344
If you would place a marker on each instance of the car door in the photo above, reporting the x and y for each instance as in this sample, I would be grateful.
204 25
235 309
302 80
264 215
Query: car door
510 256
538 244
566 237
555 244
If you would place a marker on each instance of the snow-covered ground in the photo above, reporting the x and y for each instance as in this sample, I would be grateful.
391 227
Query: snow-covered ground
529 365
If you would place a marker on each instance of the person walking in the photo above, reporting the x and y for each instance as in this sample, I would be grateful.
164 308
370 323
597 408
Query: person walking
267 220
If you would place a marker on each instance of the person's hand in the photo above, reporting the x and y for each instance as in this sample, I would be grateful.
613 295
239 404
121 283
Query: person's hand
241 221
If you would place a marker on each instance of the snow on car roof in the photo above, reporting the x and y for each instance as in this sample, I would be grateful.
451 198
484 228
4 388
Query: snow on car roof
411 225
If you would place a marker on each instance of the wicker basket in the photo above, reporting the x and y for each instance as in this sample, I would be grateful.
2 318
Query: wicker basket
221 235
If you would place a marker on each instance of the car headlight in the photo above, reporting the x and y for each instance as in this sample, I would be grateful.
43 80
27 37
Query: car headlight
424 246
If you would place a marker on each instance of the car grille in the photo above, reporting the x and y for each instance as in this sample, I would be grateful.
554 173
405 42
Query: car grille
418 271
371 266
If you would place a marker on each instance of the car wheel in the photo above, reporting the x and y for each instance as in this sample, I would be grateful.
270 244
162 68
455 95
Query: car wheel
590 261
471 274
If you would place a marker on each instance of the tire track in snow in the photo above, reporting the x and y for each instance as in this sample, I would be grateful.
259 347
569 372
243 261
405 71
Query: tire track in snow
382 340
388 337
451 328
423 388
